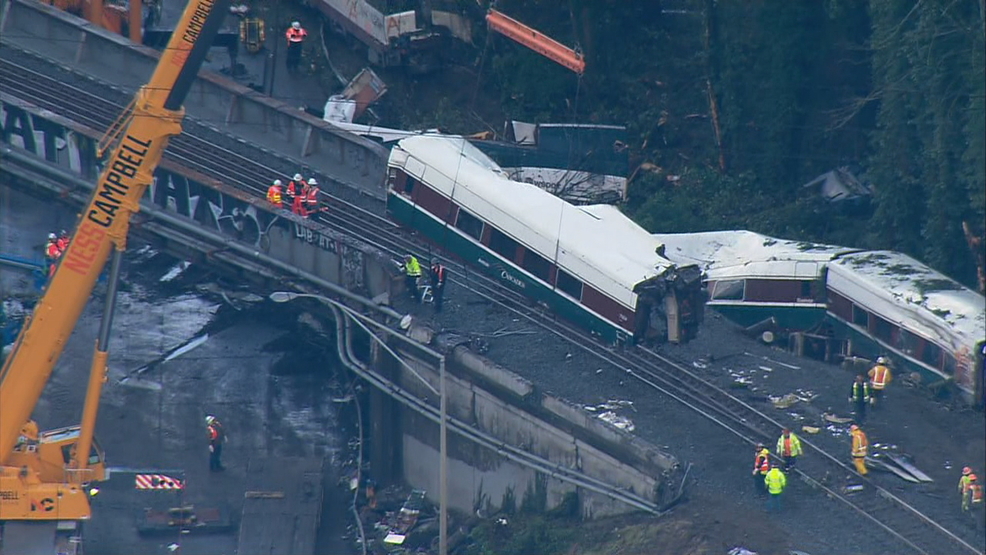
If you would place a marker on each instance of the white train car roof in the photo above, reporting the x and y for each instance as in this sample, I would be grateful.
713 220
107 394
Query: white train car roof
741 254
907 293
596 243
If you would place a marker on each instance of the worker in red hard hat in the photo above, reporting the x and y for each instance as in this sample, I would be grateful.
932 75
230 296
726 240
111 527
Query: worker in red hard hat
970 488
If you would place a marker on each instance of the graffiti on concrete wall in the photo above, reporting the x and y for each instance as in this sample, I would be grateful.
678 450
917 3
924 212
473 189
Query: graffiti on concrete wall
46 139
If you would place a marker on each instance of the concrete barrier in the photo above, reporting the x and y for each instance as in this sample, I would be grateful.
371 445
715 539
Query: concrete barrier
225 105
232 219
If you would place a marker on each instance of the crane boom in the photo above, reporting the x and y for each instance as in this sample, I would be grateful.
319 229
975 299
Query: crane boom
139 138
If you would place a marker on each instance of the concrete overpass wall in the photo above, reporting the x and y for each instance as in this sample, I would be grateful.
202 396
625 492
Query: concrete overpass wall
479 477
227 106
229 216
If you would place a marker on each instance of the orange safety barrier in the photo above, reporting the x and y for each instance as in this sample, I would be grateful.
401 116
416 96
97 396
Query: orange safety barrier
544 45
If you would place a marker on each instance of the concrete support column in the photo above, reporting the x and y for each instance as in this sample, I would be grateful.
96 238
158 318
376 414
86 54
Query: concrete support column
387 445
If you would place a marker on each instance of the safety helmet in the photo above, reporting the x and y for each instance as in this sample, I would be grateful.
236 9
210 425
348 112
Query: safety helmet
52 236
297 177
434 262
63 233
759 446
972 478
295 25
209 420
881 360
854 427
408 256
311 181
277 182
966 471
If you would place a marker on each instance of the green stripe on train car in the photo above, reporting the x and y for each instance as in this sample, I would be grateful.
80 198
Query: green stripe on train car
448 239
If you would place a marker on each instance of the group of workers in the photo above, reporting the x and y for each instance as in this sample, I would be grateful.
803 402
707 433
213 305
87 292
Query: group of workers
435 292
868 393
54 248
302 195
770 479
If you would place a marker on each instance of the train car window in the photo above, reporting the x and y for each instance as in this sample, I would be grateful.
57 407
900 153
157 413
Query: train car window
537 265
909 344
931 355
859 315
469 224
805 291
409 185
729 290
949 364
503 245
569 284
884 330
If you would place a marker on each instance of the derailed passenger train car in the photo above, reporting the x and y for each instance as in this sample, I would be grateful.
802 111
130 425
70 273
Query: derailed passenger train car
591 264
865 303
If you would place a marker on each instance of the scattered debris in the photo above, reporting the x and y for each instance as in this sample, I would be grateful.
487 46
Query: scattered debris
407 517
810 429
620 422
853 488
175 272
806 395
741 551
836 419
786 401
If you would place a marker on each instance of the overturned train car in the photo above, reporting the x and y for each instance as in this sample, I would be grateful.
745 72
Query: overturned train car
591 264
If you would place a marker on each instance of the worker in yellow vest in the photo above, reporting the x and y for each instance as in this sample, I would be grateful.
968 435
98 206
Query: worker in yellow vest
789 449
880 377
776 481
971 490
860 447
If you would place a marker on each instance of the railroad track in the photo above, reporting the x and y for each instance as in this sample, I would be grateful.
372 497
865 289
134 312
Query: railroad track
915 530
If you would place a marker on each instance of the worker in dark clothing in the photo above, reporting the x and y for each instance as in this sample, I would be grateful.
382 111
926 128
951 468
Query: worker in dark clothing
296 37
438 277
412 272
860 397
217 437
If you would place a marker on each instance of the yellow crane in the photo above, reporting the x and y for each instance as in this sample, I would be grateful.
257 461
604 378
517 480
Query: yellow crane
45 476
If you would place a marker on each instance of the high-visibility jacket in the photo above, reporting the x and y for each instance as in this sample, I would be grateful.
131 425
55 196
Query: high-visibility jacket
311 199
880 376
860 392
62 242
761 463
860 444
295 35
274 196
775 480
294 188
52 251
789 446
412 267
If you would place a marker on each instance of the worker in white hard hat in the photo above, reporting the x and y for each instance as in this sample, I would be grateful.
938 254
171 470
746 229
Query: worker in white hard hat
311 197
217 437
296 37
52 252
880 377
294 186
274 194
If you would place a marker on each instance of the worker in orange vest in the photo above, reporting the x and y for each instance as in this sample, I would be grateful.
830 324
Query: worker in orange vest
860 447
296 37
311 197
274 194
879 379
63 240
971 490
217 437
761 465
294 187
52 253
299 203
